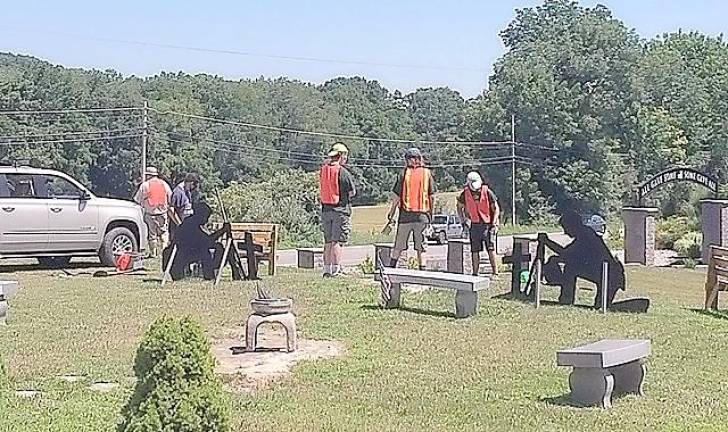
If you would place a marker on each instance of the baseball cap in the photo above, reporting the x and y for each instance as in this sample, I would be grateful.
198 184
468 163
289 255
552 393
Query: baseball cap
338 149
412 153
151 171
474 181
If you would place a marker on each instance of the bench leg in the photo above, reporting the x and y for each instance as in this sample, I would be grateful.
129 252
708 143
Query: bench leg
394 301
4 306
630 377
466 303
591 386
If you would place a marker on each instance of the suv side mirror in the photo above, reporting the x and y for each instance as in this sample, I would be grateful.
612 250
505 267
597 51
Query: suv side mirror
85 196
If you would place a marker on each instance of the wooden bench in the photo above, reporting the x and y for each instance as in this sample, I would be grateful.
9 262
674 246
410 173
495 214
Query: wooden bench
604 367
264 235
466 287
717 278
310 258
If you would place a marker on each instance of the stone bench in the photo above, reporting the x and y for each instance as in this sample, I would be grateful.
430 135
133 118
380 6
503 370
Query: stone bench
604 367
7 290
310 258
466 287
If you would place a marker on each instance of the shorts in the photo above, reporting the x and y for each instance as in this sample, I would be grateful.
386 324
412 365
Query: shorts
403 234
482 234
336 226
158 225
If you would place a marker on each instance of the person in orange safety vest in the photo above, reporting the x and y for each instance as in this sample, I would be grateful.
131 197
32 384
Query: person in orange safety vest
478 209
154 195
413 196
336 191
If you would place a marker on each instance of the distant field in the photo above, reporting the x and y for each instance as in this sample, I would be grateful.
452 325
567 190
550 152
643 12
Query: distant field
371 219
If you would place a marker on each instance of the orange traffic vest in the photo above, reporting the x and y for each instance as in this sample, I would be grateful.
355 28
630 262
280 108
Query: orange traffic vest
329 184
416 190
157 196
479 212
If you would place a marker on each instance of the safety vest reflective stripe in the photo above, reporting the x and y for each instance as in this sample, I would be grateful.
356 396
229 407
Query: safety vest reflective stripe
479 212
416 190
329 184
157 195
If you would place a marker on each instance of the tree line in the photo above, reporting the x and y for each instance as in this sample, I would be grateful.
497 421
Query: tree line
597 110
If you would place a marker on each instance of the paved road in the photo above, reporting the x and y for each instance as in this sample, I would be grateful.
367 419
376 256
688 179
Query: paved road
354 255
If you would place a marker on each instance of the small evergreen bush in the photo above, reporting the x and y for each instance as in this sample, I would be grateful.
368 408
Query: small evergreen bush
177 389
690 245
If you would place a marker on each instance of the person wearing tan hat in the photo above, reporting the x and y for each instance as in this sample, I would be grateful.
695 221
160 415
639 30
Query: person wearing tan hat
154 195
336 191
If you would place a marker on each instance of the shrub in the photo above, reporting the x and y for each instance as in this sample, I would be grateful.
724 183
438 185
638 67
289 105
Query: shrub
690 245
670 230
288 197
176 389
367 266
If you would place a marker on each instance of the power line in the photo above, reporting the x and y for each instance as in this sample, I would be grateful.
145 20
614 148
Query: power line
261 55
327 134
69 111
76 140
51 134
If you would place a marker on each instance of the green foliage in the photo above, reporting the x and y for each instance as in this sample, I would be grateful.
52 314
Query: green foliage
669 230
690 245
367 266
288 198
176 386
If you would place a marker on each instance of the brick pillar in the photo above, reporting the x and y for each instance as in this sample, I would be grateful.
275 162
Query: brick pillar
715 225
639 234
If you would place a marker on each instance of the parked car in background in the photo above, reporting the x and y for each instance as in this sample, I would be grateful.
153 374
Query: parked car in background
48 215
445 227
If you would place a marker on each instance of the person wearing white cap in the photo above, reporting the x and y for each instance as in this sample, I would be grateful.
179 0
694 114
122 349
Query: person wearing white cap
336 191
154 195
478 209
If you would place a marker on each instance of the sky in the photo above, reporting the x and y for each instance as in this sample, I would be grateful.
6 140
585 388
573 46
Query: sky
445 43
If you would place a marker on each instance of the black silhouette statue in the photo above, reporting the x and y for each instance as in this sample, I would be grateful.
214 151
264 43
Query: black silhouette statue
582 258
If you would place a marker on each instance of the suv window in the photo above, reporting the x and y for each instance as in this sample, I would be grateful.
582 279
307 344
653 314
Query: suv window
60 188
19 186
454 220
439 220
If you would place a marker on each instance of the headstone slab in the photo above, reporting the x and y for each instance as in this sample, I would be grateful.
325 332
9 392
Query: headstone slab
605 353
8 288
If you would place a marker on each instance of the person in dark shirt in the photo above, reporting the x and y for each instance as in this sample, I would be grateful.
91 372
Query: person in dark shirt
582 258
414 197
336 191
195 245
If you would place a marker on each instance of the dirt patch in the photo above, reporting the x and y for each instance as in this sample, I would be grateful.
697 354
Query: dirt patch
250 371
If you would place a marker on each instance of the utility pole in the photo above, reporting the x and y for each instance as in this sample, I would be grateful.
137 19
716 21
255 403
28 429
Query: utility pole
145 134
513 169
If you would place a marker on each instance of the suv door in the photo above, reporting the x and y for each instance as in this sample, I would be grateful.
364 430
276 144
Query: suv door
23 215
73 220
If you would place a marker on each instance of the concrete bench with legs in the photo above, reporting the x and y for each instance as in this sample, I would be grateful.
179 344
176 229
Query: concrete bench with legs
466 287
7 290
604 367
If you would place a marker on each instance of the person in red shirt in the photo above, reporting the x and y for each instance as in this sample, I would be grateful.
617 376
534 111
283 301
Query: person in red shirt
478 209
154 195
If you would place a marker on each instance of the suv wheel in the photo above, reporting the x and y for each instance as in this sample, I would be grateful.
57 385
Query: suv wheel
54 262
441 237
116 242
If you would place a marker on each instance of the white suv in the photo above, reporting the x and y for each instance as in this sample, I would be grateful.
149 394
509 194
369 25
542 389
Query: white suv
48 215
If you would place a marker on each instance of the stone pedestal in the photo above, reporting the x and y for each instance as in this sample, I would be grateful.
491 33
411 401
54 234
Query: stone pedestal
310 258
639 234
459 259
287 320
715 225
466 304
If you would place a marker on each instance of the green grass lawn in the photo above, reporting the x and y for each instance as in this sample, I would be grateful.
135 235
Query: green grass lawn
411 369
